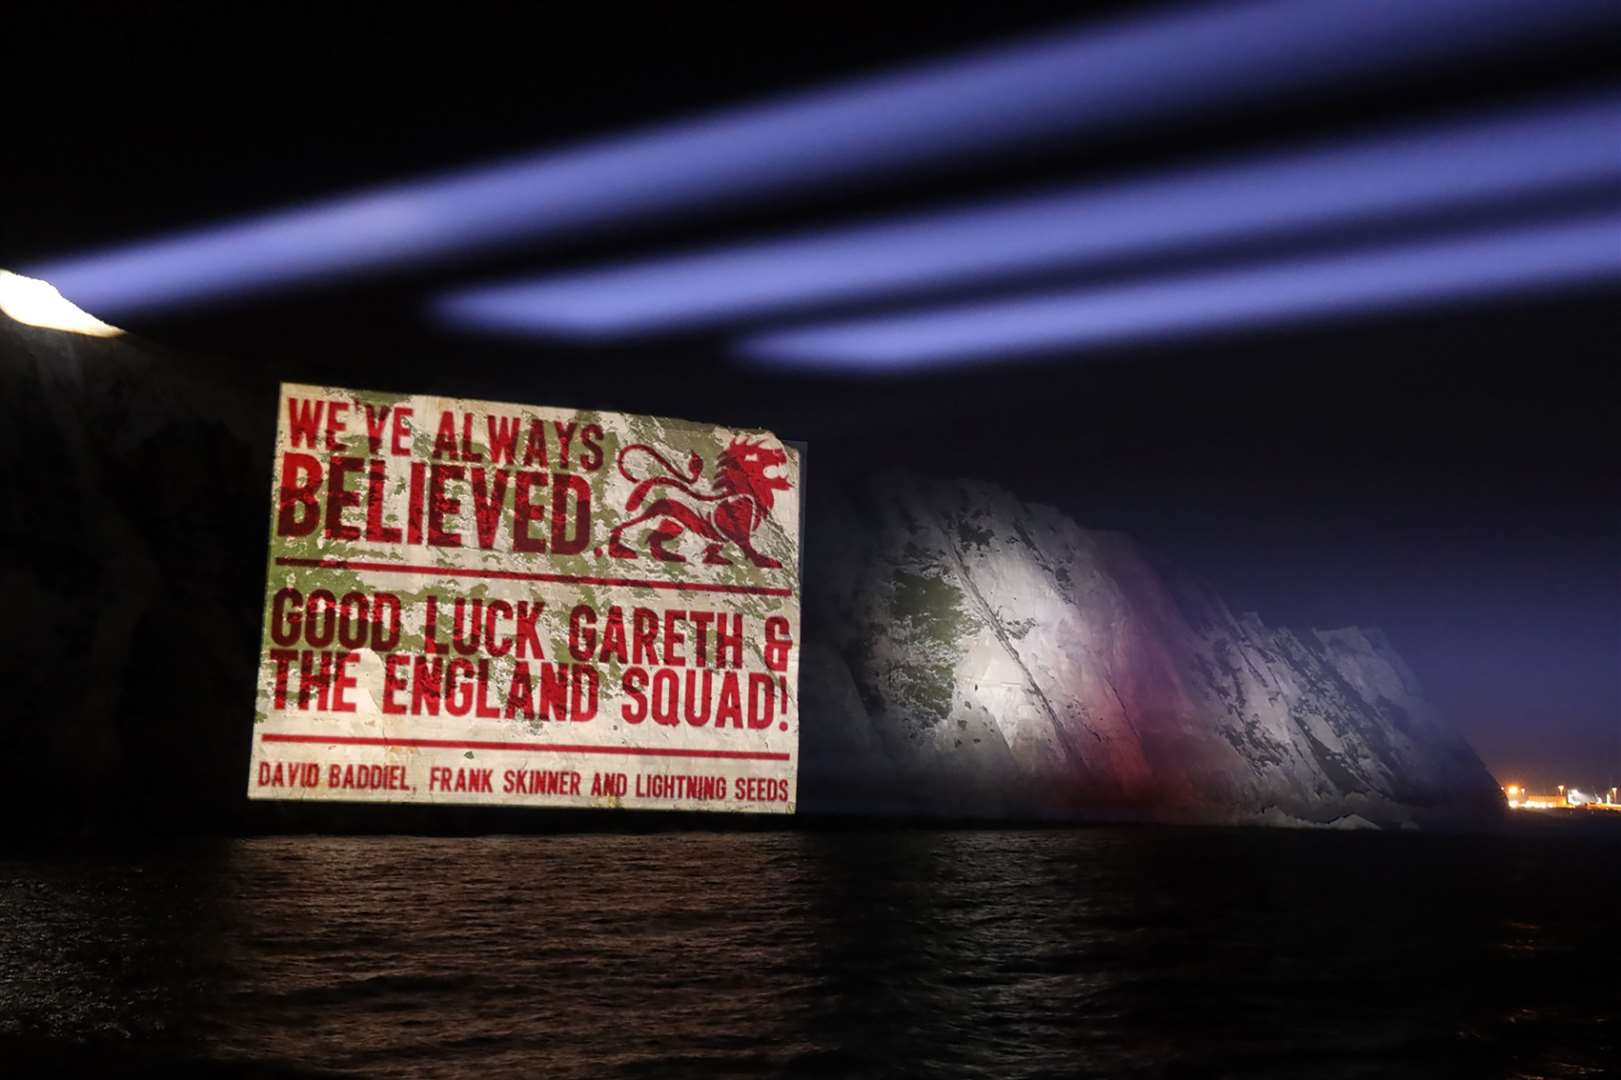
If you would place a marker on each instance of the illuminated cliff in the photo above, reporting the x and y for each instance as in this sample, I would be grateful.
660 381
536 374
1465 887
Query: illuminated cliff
968 653
965 653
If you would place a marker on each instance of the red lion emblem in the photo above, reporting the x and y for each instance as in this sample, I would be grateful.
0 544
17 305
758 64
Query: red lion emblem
742 495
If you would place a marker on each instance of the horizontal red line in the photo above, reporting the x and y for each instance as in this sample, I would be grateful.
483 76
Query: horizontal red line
553 748
519 575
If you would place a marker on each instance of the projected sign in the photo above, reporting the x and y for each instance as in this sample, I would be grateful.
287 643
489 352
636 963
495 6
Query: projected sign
472 602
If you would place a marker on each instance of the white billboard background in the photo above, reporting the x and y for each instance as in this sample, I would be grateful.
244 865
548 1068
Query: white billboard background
602 675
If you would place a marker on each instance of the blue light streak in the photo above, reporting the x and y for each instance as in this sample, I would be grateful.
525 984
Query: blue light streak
1065 85
1537 151
1471 267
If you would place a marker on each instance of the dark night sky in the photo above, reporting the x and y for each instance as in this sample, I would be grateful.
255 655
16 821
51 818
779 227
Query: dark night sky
1450 474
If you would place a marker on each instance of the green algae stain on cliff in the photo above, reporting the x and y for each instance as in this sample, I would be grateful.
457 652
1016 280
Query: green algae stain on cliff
932 606
927 619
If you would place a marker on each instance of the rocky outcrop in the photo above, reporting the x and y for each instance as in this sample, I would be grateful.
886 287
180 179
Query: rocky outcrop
965 653
134 490
974 654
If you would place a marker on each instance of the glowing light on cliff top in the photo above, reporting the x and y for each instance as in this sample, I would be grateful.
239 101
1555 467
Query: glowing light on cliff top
1526 259
1531 152
1066 85
37 303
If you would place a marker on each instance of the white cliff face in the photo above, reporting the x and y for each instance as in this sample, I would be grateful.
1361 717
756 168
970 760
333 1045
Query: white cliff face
964 653
968 653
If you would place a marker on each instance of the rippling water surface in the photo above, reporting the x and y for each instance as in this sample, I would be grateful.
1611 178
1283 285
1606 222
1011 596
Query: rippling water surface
1106 952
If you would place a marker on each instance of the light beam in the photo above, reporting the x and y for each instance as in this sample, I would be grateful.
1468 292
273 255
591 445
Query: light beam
1416 171
1072 84
1528 259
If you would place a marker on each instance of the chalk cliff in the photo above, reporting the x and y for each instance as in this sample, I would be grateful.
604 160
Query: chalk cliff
969 653
965 653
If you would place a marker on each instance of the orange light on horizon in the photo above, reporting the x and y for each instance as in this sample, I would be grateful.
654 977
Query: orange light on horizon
1520 797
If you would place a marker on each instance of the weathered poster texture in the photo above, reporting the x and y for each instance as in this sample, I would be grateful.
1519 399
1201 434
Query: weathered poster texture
472 602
